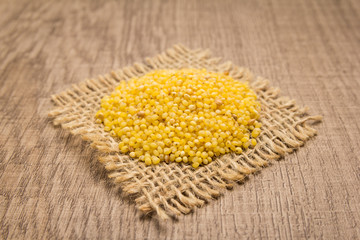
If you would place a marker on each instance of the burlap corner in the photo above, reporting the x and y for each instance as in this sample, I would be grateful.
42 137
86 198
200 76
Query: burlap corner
173 189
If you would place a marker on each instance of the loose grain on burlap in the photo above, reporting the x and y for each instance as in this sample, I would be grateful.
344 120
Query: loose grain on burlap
173 189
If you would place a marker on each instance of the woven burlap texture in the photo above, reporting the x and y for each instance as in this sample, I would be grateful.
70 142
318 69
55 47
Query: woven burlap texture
173 189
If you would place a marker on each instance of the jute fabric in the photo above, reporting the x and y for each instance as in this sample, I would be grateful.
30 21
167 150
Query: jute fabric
173 189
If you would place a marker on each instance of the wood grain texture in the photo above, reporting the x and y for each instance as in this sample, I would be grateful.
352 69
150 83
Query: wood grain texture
51 185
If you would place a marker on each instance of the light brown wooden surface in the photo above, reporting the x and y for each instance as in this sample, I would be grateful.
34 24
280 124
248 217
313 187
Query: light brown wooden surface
51 185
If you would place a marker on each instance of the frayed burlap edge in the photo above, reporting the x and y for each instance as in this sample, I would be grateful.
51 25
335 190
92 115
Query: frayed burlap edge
173 189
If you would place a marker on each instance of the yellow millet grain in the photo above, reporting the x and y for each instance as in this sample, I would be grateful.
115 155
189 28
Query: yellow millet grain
187 115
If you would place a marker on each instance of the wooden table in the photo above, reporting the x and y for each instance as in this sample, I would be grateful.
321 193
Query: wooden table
51 185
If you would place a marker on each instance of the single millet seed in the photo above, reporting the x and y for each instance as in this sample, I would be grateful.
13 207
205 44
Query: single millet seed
141 114
218 102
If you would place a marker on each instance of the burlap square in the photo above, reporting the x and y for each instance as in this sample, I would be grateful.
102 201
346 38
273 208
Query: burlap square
173 189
